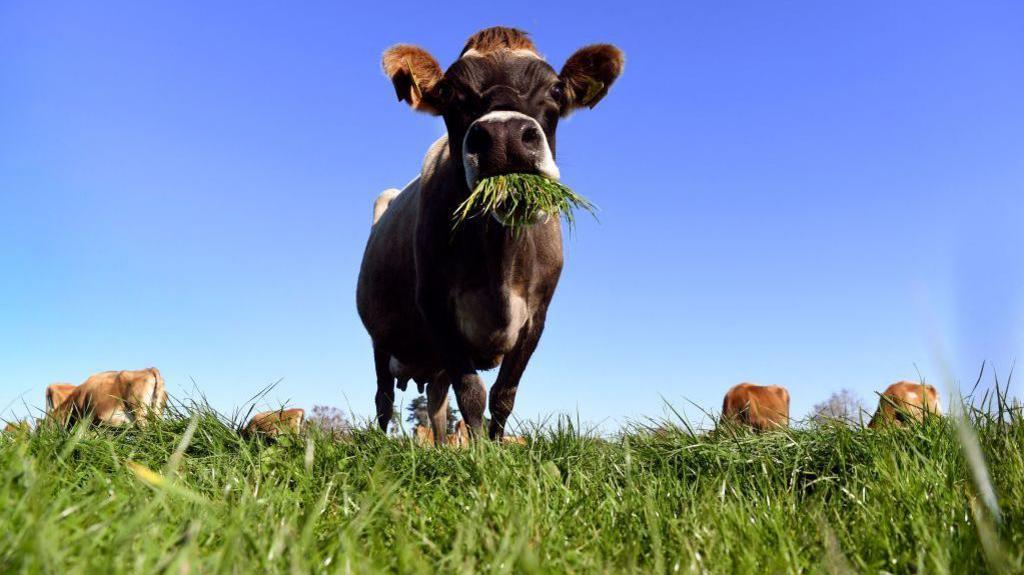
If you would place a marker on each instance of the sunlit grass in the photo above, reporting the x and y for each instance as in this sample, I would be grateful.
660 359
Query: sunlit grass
189 494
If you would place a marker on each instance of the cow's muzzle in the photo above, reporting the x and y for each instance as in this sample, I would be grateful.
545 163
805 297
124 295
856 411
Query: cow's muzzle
506 142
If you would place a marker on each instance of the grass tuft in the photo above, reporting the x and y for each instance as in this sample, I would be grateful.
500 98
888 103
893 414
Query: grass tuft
520 199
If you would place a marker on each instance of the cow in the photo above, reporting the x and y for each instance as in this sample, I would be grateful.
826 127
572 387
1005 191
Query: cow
115 398
442 304
56 394
762 407
271 424
423 435
17 428
904 402
514 440
461 436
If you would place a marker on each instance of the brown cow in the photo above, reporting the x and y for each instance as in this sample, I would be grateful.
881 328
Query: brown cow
116 398
271 424
461 436
762 407
906 401
57 394
17 427
423 435
442 304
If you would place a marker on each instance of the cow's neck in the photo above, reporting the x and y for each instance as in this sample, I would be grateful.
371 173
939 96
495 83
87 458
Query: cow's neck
496 244
481 246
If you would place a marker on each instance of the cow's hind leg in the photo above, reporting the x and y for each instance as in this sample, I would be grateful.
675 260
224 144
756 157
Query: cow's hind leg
437 406
471 396
385 398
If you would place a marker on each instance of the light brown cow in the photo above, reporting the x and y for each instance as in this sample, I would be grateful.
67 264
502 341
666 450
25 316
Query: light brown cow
17 427
906 401
115 398
274 423
461 436
423 435
57 394
762 407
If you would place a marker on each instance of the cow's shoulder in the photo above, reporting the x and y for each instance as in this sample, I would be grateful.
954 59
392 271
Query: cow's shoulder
437 158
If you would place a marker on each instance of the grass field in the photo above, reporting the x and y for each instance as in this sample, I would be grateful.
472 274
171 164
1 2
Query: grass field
187 495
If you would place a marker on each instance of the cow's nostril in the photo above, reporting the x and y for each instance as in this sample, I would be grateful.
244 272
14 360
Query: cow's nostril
531 137
477 140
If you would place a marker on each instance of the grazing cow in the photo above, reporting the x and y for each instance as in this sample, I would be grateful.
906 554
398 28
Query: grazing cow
115 398
461 436
57 394
423 435
271 424
441 304
905 401
762 407
17 427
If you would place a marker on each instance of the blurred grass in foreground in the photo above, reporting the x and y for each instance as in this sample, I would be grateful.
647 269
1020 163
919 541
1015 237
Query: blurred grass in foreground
188 495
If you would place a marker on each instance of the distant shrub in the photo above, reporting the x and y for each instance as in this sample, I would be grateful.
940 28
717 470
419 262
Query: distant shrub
842 407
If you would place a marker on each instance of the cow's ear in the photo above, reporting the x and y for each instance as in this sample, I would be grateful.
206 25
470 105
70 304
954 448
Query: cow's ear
413 71
588 74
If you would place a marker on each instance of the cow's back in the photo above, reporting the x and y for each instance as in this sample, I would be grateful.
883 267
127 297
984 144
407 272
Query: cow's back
906 401
761 407
97 395
117 397
386 289
273 423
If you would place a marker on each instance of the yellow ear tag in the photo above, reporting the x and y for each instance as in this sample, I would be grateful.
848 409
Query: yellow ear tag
594 88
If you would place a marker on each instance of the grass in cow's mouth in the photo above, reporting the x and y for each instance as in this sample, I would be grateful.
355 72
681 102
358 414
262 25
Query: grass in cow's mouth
519 199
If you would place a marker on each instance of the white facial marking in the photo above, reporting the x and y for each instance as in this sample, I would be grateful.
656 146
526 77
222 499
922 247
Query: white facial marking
544 162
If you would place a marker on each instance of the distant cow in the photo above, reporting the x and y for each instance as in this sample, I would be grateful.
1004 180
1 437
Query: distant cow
271 424
442 304
423 435
461 436
906 401
115 398
57 394
17 427
762 407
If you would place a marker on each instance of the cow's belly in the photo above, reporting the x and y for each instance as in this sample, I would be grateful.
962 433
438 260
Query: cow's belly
490 324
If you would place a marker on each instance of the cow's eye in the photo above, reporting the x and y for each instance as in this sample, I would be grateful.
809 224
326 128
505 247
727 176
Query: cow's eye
557 93
442 91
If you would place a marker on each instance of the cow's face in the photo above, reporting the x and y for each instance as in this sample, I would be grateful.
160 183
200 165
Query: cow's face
500 100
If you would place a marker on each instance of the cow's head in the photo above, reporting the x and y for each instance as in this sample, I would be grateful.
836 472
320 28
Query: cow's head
500 100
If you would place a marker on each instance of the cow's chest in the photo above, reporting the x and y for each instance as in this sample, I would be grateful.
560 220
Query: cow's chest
491 321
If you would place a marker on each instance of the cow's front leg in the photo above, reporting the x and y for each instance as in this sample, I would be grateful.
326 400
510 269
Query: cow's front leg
470 392
503 392
471 396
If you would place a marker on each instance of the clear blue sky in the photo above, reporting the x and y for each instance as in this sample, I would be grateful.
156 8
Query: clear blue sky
789 191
